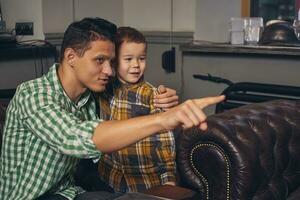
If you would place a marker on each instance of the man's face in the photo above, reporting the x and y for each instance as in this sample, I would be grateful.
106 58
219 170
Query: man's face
131 62
93 69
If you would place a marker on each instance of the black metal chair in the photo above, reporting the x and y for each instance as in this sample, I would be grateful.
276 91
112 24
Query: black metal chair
243 93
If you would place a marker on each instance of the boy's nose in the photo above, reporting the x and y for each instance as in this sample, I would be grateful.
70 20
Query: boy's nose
135 63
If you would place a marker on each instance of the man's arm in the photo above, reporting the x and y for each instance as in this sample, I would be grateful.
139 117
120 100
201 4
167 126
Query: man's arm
113 135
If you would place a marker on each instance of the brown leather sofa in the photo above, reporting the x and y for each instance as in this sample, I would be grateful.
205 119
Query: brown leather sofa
251 152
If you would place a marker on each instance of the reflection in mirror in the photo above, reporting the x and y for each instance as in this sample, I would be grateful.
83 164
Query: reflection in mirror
274 9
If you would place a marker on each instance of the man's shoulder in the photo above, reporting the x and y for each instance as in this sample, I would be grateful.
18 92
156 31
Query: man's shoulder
29 97
36 88
28 85
40 84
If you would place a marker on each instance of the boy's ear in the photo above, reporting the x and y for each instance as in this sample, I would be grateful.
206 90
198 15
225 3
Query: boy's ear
70 56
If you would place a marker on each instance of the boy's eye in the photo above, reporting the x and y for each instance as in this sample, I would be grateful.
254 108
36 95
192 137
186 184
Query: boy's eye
128 59
142 58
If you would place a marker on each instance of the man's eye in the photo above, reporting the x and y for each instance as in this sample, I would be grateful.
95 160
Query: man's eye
100 60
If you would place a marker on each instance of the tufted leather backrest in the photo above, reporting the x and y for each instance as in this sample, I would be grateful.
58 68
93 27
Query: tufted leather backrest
251 152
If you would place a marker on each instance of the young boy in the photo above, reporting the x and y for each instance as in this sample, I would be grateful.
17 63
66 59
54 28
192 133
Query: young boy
150 162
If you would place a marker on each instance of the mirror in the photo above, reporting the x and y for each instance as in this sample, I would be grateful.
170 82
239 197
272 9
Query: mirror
270 9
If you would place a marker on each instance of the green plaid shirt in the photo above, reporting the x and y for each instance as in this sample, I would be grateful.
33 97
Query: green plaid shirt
45 135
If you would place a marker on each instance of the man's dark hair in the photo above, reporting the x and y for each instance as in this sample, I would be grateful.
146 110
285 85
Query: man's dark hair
79 34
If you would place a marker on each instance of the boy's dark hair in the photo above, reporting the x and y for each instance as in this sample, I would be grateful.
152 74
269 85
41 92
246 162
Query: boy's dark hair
79 34
128 34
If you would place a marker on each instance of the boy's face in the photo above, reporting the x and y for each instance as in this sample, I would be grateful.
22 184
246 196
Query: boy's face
132 62
92 70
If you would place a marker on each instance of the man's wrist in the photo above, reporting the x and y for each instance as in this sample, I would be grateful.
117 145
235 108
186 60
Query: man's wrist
160 121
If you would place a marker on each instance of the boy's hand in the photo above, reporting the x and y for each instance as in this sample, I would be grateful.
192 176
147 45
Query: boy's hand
189 113
166 98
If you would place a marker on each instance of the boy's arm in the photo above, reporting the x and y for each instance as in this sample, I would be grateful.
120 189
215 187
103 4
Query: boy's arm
166 99
113 135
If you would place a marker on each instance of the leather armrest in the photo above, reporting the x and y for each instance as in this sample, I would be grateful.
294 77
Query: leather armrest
251 151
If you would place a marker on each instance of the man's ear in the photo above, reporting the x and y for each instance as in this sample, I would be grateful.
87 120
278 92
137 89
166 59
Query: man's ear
70 56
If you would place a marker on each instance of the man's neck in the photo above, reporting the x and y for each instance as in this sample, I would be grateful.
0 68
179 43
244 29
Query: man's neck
71 86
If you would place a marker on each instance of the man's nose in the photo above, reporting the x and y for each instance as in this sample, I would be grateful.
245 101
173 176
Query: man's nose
107 69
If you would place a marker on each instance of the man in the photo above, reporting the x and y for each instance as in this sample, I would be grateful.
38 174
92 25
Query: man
51 121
